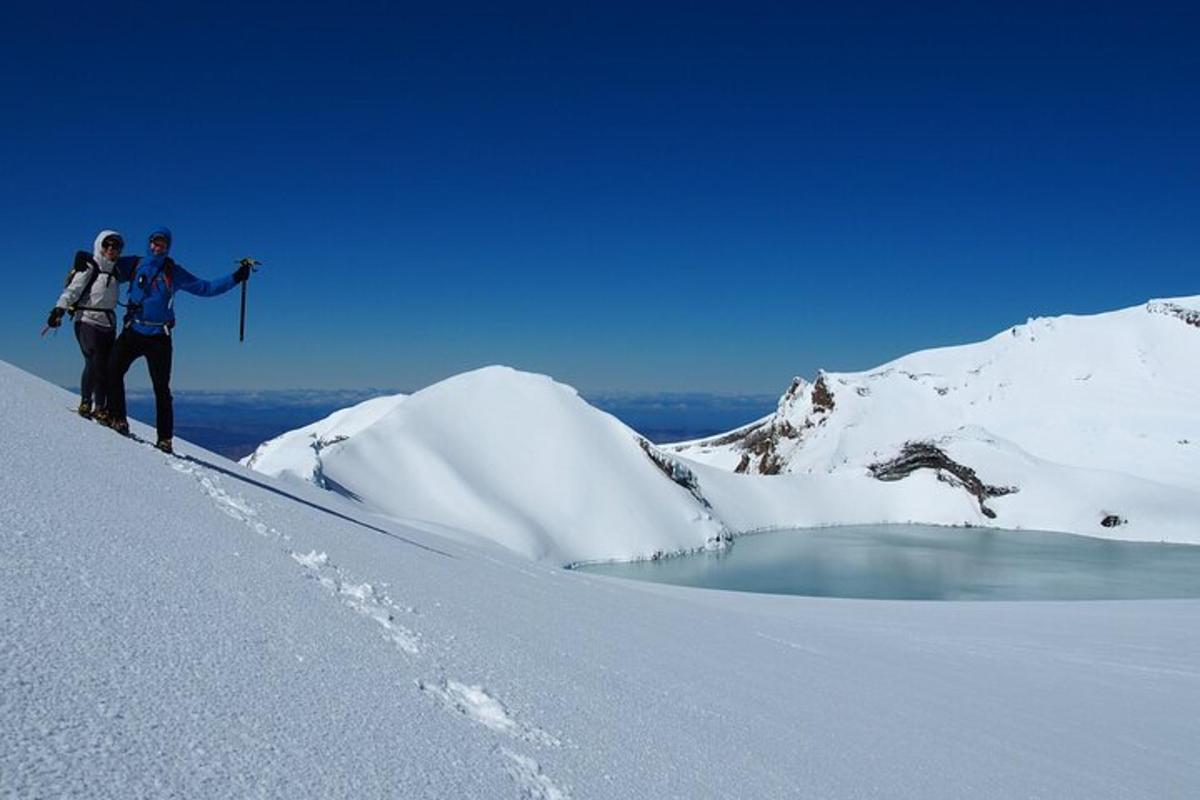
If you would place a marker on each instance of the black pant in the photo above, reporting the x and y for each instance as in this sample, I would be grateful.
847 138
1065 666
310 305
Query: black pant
131 346
96 344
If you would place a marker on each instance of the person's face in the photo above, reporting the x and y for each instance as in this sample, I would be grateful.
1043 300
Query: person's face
158 245
111 246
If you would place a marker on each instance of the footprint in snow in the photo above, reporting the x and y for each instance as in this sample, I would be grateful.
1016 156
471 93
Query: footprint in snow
235 506
363 598
528 775
474 703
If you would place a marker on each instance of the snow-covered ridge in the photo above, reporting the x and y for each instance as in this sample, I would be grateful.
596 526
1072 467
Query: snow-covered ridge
1086 424
1111 391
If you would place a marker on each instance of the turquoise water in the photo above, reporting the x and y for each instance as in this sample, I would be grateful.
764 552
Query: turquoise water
914 562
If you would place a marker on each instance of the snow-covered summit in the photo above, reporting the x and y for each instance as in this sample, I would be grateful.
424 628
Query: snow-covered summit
516 456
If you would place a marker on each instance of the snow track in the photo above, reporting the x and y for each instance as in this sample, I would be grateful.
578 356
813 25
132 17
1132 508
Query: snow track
372 601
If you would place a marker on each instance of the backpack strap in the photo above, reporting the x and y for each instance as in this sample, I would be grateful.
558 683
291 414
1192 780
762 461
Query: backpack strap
133 309
93 272
164 269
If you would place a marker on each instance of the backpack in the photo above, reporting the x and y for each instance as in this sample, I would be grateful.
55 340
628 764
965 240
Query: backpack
83 263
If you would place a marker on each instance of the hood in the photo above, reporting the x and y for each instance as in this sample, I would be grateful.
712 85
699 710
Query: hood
163 231
98 253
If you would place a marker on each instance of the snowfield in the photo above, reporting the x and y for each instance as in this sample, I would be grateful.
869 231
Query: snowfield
1083 424
186 627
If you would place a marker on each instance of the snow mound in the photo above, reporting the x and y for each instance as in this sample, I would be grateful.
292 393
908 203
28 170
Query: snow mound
513 456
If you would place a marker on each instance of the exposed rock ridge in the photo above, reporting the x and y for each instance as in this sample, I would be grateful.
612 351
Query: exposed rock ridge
925 455
1189 315
677 472
803 406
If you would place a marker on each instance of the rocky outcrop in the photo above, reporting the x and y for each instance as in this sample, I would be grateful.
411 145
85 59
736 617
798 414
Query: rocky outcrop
677 472
800 409
1189 315
822 398
765 445
925 455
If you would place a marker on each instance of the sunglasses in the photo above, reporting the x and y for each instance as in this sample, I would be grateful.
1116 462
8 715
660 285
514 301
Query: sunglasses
159 240
112 244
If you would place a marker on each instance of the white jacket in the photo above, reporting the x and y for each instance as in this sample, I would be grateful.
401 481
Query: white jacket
103 293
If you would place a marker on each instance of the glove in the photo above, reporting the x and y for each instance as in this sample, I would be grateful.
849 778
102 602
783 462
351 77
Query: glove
241 273
56 315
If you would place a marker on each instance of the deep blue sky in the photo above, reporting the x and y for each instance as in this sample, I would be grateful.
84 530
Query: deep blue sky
709 197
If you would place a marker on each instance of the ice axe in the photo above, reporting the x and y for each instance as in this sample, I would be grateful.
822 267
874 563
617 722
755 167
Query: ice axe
253 265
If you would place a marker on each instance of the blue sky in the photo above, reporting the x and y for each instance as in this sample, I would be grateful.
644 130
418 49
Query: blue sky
634 197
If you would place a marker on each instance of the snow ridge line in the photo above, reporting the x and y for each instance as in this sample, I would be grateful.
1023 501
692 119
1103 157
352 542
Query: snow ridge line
473 702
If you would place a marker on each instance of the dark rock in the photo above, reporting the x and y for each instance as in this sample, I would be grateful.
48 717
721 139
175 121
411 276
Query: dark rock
761 444
1187 315
822 398
677 472
925 455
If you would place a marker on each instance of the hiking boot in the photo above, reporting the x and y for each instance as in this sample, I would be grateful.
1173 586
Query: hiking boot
85 409
101 416
165 446
121 426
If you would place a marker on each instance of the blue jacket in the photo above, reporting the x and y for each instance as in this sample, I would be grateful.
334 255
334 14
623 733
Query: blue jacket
153 282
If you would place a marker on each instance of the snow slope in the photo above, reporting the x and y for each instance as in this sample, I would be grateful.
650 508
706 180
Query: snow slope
514 457
1117 391
1077 423
298 453
185 627
1085 417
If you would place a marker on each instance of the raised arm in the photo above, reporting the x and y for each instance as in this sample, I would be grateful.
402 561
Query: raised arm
187 282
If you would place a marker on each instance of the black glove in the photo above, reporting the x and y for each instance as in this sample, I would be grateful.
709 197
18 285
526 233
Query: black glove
241 273
56 315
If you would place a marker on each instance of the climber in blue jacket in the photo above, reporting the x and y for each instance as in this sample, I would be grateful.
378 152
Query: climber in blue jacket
149 318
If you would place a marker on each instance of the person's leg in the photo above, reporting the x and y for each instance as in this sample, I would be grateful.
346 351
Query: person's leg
96 345
125 351
87 379
104 347
158 358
